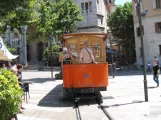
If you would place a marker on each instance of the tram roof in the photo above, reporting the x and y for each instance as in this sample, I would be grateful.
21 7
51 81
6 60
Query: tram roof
102 35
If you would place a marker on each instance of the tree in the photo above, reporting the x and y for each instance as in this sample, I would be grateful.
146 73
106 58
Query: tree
121 25
54 49
20 12
58 17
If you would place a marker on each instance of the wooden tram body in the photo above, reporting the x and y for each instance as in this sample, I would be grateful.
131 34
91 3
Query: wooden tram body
86 78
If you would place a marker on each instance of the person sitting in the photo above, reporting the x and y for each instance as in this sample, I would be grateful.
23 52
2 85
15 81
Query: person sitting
4 67
19 75
26 65
86 54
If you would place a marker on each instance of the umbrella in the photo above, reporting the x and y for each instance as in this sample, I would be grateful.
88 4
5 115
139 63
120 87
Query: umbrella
4 53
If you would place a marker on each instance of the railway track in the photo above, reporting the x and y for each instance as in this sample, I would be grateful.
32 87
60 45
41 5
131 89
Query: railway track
100 106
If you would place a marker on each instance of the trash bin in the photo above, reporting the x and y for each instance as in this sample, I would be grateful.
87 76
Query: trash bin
112 69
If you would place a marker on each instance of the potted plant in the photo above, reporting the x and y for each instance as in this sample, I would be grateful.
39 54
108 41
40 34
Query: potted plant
10 95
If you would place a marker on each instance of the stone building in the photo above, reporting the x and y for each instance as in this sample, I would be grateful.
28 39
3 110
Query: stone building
94 14
151 31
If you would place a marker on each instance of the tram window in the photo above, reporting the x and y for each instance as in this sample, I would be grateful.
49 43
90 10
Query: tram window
74 51
96 50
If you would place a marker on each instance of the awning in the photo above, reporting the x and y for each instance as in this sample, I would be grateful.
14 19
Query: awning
4 53
109 51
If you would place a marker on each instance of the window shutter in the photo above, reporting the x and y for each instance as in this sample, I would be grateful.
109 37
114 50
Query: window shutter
154 4
160 49
137 31
156 27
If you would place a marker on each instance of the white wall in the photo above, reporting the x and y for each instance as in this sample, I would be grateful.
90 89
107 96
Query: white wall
152 40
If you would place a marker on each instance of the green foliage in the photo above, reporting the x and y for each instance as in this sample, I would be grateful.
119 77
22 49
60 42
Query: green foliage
121 23
21 12
55 51
10 94
58 17
68 14
11 49
9 5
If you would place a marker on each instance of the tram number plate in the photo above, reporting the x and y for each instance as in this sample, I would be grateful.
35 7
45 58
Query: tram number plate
86 75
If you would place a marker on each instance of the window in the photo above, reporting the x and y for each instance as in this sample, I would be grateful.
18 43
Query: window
158 3
90 6
158 27
82 7
101 21
138 30
112 2
141 52
96 50
86 5
98 4
160 49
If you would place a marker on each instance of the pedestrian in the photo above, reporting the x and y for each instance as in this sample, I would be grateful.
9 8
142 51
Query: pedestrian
4 66
19 74
26 65
9 65
155 72
86 54
155 58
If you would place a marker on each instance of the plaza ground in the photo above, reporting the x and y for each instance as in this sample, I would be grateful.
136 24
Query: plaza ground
124 99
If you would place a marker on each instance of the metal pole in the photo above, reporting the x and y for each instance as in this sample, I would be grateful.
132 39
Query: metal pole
51 59
142 45
112 57
25 28
119 55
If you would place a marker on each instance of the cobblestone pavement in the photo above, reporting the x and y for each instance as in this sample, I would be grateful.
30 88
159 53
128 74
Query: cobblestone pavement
124 99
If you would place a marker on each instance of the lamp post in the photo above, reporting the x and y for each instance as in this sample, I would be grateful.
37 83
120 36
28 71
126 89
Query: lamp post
111 52
142 14
119 54
9 34
51 54
24 44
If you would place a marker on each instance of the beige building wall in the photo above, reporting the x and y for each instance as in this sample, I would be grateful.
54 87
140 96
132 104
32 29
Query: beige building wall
151 38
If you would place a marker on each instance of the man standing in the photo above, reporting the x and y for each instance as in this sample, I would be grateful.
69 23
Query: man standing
86 54
155 73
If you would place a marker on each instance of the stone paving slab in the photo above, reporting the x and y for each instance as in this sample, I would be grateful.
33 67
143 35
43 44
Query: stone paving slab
127 99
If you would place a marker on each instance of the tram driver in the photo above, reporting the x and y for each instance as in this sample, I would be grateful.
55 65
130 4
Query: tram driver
86 54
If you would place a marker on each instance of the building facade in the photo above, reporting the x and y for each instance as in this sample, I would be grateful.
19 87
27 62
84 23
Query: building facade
94 14
151 31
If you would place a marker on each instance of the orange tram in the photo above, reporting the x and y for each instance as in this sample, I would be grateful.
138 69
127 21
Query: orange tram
80 78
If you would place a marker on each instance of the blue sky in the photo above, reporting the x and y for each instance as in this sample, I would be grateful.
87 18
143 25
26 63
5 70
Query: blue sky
117 2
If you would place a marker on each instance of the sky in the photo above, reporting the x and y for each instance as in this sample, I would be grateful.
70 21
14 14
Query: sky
117 2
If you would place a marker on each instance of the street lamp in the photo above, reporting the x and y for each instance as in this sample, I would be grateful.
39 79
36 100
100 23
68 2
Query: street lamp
9 35
110 39
24 44
142 14
51 40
